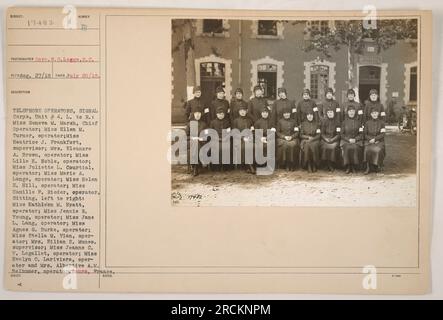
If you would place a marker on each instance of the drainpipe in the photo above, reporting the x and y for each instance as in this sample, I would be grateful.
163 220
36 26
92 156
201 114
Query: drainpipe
239 51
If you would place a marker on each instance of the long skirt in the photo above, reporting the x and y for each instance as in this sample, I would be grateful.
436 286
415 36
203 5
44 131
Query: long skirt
287 151
194 152
374 154
243 153
351 153
310 151
329 151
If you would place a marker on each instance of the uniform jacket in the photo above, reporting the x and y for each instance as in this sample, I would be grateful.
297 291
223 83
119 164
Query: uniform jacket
330 128
351 129
306 106
255 107
330 105
282 104
374 129
235 107
287 127
216 103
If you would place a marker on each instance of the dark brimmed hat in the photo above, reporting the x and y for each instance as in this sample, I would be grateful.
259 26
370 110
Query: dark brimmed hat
219 89
243 106
329 90
351 91
197 88
280 90
373 91
220 109
373 108
257 87
238 90
306 91
351 107
196 108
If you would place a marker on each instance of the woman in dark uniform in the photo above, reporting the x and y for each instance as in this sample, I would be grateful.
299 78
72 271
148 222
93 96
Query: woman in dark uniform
330 136
221 124
218 102
310 142
307 105
356 105
283 103
374 134
265 123
374 103
256 104
288 146
351 142
330 104
241 123
194 136
195 102
237 102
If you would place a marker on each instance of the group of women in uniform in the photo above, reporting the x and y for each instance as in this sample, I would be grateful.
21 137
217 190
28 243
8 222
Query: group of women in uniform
307 135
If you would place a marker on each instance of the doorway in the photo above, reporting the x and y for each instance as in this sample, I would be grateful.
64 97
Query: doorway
369 78
267 79
212 75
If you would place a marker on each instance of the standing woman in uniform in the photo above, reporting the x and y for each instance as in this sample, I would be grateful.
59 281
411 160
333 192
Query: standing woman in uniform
265 123
256 104
351 142
330 104
195 102
218 102
283 103
310 142
221 124
330 136
194 139
374 133
374 103
237 102
307 105
242 122
288 146
356 105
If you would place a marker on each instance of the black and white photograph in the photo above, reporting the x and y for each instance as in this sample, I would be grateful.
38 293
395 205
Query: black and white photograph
327 110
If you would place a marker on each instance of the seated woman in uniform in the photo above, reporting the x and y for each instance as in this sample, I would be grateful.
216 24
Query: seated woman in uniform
220 124
374 133
194 128
310 142
330 136
351 142
265 123
288 146
241 123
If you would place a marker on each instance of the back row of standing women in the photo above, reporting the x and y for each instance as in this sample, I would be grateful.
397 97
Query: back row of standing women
304 131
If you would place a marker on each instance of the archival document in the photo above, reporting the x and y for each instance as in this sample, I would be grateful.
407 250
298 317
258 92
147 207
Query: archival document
218 151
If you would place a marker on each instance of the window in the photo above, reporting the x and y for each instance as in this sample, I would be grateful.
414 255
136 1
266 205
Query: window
413 85
212 26
320 26
267 28
319 80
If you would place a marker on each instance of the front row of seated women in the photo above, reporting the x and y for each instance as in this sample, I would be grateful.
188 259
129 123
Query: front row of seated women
313 142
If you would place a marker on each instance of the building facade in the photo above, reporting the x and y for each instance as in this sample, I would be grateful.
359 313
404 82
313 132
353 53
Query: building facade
243 53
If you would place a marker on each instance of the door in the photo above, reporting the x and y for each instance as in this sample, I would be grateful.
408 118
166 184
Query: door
369 78
212 75
267 79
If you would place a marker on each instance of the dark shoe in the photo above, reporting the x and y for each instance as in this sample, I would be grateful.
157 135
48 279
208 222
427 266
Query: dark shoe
348 169
195 171
309 167
314 167
368 169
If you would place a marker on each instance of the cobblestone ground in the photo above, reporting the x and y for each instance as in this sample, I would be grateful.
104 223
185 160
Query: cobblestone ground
395 187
